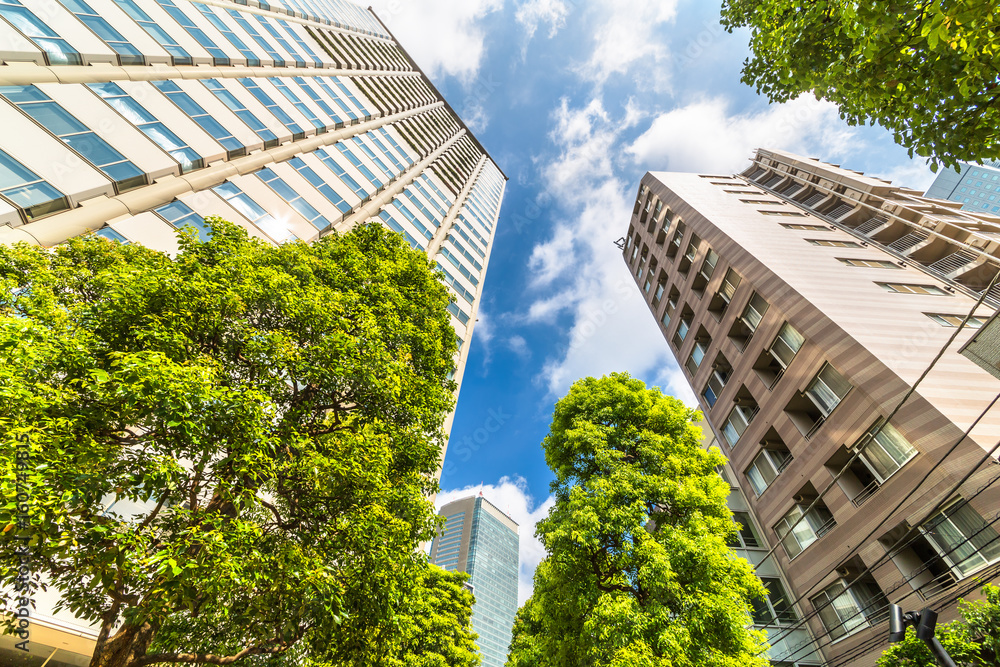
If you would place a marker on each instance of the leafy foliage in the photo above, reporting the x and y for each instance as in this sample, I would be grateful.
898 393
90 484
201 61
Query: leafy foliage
638 573
231 450
927 70
973 641
436 630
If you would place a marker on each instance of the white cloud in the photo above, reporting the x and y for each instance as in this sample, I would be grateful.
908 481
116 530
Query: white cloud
532 14
510 495
627 33
443 36
476 117
911 174
519 346
704 137
548 261
612 329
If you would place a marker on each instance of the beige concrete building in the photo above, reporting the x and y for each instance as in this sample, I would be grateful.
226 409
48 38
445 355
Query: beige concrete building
292 118
803 302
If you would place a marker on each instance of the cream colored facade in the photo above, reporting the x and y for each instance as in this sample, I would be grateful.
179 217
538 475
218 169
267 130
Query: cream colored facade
292 118
803 301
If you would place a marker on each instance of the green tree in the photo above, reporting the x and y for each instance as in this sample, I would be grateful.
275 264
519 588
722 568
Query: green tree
436 628
638 573
972 641
231 451
926 70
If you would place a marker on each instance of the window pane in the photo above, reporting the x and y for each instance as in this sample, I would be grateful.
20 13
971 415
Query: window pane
26 196
94 149
54 118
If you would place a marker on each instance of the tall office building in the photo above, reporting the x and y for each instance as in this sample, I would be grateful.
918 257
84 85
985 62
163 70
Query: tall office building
482 541
803 302
292 118
975 186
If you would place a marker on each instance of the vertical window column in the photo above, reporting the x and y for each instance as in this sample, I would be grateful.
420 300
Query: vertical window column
127 53
76 135
57 50
133 112
194 110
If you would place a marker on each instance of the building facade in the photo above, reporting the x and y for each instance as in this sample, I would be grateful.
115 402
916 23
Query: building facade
975 186
132 119
482 541
804 302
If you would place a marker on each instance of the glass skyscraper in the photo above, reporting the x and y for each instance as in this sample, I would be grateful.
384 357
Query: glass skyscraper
294 119
976 186
482 541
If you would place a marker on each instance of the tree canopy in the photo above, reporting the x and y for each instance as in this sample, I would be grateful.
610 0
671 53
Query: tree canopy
926 70
436 627
973 640
638 573
231 450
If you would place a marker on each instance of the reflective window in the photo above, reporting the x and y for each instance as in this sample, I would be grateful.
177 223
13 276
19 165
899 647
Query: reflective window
57 50
280 39
365 171
253 211
185 21
227 32
827 390
182 216
798 534
266 100
296 102
886 452
447 254
176 51
240 109
341 173
298 40
848 609
315 97
26 190
200 116
775 608
242 22
396 227
902 288
966 541
121 102
111 235
75 134
390 174
294 199
408 214
318 183
128 54
374 137
956 320
351 113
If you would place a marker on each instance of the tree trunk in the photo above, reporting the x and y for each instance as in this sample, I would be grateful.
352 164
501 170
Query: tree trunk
129 643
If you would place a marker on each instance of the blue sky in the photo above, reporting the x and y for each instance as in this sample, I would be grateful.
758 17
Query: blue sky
576 100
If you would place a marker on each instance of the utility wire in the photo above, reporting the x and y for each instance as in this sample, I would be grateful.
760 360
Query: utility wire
872 434
900 545
903 582
889 514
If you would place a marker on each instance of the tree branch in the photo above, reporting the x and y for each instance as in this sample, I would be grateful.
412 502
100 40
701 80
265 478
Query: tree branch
210 659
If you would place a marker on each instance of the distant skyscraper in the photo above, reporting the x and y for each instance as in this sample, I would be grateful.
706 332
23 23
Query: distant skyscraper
976 187
481 540
292 118
802 302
